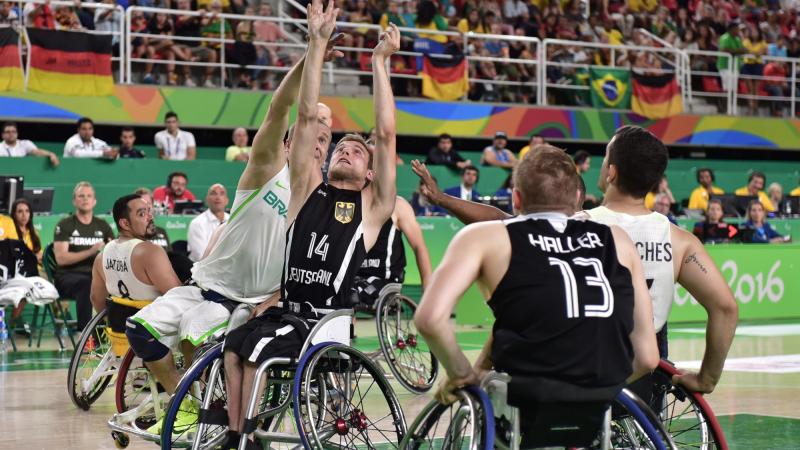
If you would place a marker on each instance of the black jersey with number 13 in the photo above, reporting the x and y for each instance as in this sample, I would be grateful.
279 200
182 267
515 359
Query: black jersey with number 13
324 249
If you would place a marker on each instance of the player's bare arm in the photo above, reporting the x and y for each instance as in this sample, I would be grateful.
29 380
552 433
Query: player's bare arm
699 275
643 335
98 293
153 260
407 223
464 210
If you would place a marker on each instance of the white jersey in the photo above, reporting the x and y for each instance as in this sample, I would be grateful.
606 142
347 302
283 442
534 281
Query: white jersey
174 147
246 263
118 269
653 239
22 147
77 148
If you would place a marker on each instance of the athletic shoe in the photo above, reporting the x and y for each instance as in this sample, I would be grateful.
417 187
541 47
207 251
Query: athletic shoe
209 84
185 421
148 79
189 83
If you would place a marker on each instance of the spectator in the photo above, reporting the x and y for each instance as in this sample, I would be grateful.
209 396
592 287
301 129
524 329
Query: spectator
163 47
444 154
466 190
775 194
7 14
714 230
160 237
423 206
514 8
243 51
211 27
22 216
13 147
700 195
78 239
39 15
203 226
83 144
795 193
762 232
267 31
108 21
174 143
66 18
776 85
392 15
662 206
582 161
497 154
535 141
754 188
428 18
753 66
8 229
126 141
778 48
174 190
661 188
239 151
730 42
189 26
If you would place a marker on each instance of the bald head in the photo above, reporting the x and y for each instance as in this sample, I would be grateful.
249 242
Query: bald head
217 198
240 137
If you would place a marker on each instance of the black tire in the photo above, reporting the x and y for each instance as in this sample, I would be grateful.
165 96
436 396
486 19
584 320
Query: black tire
84 361
459 426
406 353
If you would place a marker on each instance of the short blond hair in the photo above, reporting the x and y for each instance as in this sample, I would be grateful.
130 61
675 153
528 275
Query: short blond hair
547 180
82 184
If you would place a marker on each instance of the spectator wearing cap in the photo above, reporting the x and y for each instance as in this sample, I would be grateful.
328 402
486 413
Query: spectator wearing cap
174 143
755 188
12 147
700 195
83 144
583 161
239 151
466 190
535 141
497 154
444 154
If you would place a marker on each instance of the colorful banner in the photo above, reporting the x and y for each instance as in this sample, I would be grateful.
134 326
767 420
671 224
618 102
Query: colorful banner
656 97
11 76
70 63
610 88
444 79
146 105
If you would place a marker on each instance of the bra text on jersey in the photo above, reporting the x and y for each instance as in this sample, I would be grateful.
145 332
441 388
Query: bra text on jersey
304 276
564 244
276 203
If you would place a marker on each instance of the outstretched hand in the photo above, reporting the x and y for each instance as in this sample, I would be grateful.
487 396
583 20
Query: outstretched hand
389 42
428 186
321 23
330 52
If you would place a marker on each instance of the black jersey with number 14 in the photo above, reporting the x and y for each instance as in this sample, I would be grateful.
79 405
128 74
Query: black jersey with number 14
564 308
324 249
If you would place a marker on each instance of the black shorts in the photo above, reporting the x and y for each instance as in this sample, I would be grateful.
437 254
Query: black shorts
276 333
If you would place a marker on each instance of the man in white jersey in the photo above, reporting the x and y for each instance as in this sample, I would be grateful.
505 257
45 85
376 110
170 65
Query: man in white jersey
131 266
244 263
174 143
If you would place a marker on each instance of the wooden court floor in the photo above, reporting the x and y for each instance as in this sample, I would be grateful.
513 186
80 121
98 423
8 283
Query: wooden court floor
757 400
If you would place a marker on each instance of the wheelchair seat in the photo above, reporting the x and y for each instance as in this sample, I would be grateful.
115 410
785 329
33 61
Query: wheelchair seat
119 309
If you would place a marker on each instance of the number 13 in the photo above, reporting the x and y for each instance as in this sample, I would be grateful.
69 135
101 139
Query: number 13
571 289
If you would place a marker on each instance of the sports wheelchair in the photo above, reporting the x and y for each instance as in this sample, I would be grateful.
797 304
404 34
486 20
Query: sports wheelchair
312 401
510 413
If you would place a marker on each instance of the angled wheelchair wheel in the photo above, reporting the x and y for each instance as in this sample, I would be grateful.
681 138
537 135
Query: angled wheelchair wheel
634 425
341 399
204 377
467 424
134 387
406 353
93 364
686 415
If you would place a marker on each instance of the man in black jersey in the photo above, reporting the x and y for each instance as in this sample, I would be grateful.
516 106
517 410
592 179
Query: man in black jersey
332 225
556 284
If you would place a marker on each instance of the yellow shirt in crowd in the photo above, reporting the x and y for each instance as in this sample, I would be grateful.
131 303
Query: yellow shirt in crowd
524 152
642 5
233 151
762 197
699 197
7 228
463 26
796 192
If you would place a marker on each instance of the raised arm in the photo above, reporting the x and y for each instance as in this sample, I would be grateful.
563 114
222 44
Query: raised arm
384 158
407 223
464 210
305 173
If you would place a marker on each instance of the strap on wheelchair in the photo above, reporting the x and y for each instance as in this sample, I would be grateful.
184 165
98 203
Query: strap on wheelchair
214 416
250 425
216 297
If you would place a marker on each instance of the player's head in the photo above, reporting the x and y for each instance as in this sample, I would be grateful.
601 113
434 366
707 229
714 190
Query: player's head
324 135
351 160
10 133
705 177
128 137
171 121
83 198
217 198
546 181
635 161
324 114
85 128
134 217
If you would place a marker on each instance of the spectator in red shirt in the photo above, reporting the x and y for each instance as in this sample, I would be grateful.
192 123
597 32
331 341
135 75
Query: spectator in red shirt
39 15
175 190
775 85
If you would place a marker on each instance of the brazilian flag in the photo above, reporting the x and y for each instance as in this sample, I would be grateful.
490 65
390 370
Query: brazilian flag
610 88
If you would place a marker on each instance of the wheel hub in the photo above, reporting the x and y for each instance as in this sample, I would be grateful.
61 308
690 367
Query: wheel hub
401 344
411 340
341 427
359 420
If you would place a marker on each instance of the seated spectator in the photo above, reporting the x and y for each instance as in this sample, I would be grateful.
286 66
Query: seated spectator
535 141
173 143
466 190
78 239
7 14
778 48
83 144
755 186
22 215
497 154
163 47
423 206
776 84
189 26
267 31
39 15
714 230
11 147
160 237
762 232
392 15
239 151
174 190
753 66
445 155
203 226
795 192
775 194
8 229
583 161
211 27
700 195
126 141
662 206
428 18
66 19
661 188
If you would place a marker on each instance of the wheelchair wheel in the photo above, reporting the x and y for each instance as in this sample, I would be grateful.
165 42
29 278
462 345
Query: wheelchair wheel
193 386
93 364
406 353
467 424
133 387
686 415
636 426
331 405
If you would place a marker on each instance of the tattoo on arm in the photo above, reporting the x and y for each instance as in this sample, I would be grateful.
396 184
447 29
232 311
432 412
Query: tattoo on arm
693 259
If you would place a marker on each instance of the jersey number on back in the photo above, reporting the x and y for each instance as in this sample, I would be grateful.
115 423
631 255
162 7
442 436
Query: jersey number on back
599 280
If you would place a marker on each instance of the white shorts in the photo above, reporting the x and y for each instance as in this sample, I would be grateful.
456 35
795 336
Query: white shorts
183 314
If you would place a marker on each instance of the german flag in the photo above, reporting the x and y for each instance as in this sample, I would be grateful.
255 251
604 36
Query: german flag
444 78
11 77
656 96
70 63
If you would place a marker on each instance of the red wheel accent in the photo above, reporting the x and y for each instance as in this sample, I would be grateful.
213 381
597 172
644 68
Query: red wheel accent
671 370
401 344
411 340
341 427
122 373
